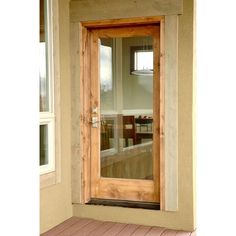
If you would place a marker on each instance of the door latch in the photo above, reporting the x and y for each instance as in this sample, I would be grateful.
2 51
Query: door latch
94 122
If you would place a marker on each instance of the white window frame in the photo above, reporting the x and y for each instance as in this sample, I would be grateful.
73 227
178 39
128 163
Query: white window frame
50 173
50 122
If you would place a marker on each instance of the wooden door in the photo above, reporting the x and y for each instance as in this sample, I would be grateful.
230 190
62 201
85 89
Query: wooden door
121 167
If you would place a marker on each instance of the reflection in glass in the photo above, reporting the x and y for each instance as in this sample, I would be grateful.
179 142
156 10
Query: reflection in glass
106 75
143 60
43 144
43 68
126 111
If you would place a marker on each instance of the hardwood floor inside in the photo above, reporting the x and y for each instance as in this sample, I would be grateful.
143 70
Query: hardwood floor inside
76 226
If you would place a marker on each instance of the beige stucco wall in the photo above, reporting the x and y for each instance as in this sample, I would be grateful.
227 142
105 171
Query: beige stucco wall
184 218
55 200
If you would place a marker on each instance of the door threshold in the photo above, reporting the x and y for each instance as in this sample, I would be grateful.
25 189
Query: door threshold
124 203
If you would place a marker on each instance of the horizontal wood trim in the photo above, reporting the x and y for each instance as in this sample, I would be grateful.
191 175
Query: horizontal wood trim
130 31
84 10
133 190
122 22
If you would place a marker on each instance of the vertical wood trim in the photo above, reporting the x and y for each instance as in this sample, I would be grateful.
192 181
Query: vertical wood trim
57 90
85 114
157 146
171 113
95 102
162 115
76 163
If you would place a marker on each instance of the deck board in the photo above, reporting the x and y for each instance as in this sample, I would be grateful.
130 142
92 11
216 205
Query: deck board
61 227
155 231
82 223
141 230
76 226
115 229
128 230
102 229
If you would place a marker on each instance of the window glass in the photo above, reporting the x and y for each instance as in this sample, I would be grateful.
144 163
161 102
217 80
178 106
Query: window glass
47 116
43 144
143 60
106 75
43 70
126 133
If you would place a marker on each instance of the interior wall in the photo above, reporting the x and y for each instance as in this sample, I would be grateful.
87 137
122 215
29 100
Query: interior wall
55 200
136 89
184 217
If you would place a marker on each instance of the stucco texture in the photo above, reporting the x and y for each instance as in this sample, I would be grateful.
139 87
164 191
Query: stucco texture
55 200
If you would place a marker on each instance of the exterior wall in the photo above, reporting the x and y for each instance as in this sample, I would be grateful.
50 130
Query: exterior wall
184 217
55 200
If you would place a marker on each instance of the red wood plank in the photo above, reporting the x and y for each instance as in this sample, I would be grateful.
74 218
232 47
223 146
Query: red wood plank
169 232
183 233
194 233
74 228
101 229
114 230
94 224
155 231
61 227
141 230
128 230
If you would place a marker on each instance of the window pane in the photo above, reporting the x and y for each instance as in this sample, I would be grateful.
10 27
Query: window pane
43 132
143 60
126 128
106 75
43 70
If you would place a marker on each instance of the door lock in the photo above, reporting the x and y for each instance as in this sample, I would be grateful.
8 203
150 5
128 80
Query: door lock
94 122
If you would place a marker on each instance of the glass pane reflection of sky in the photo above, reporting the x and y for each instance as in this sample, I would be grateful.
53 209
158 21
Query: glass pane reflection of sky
105 68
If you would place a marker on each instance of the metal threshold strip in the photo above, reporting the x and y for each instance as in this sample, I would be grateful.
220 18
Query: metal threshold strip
124 203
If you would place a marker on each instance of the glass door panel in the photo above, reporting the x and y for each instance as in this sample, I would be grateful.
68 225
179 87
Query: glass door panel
126 107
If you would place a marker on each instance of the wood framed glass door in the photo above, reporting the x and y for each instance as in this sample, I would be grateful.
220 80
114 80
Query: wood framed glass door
125 106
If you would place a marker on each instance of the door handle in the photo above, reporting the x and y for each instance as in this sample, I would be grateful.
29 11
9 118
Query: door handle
94 122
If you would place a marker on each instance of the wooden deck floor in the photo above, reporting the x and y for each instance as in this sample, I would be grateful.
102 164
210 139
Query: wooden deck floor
80 227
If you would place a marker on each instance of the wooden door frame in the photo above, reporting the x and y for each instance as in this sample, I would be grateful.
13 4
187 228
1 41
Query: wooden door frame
85 112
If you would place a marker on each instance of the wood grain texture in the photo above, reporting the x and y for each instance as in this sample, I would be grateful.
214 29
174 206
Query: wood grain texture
108 23
115 229
76 226
161 113
171 113
73 229
155 231
128 230
85 113
84 10
61 227
76 163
